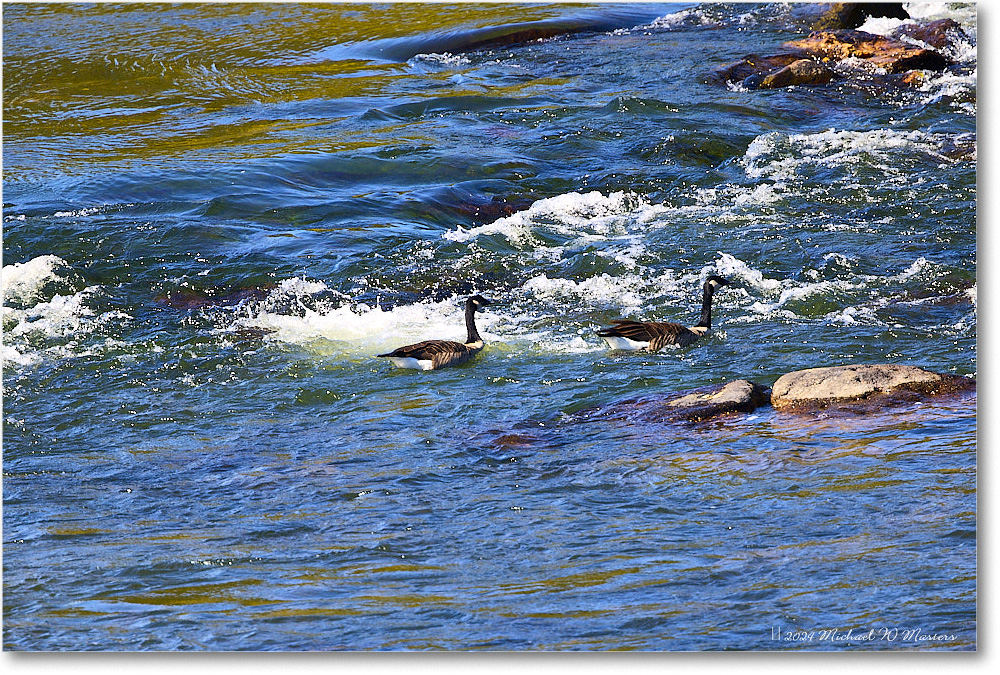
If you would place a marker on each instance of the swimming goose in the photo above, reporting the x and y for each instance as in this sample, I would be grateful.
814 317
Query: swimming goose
434 354
652 335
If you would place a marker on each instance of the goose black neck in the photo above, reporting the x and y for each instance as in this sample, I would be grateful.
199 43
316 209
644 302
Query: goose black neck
470 323
706 308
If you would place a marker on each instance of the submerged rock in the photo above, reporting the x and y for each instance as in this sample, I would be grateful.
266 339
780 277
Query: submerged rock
824 386
693 406
736 396
189 299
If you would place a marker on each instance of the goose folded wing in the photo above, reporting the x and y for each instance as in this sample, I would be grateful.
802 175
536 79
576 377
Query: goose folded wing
643 331
428 350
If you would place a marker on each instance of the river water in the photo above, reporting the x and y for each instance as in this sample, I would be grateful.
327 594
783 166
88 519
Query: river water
215 216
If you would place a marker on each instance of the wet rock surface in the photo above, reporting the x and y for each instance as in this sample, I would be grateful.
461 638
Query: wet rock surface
803 71
837 50
825 386
876 51
755 66
693 406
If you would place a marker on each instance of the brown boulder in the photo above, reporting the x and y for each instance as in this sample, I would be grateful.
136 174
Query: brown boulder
823 386
878 51
803 71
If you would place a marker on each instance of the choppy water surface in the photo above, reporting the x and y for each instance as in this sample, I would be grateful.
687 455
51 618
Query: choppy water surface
216 215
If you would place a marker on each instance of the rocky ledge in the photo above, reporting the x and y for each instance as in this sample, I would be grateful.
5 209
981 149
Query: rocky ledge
844 53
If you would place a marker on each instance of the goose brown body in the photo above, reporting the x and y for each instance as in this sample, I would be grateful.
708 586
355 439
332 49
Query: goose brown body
654 335
435 354
438 353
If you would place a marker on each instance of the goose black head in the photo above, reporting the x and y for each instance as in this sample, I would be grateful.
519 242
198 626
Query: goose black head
714 281
477 301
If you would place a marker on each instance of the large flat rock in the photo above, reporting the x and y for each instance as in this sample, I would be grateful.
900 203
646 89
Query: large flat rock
823 386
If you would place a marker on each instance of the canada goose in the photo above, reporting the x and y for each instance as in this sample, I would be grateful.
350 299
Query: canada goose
434 354
652 335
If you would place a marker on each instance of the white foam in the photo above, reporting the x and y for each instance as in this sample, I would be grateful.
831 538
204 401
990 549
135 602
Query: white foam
920 267
23 282
965 13
9 355
360 328
732 268
627 291
777 299
878 25
55 328
573 214
37 326
760 195
89 211
960 50
777 156
925 12
852 316
301 286
62 315
950 85
443 59
685 17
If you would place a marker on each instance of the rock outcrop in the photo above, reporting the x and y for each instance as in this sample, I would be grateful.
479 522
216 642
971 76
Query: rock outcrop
820 387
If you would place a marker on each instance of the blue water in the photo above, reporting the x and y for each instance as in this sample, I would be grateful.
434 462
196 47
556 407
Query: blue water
215 216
